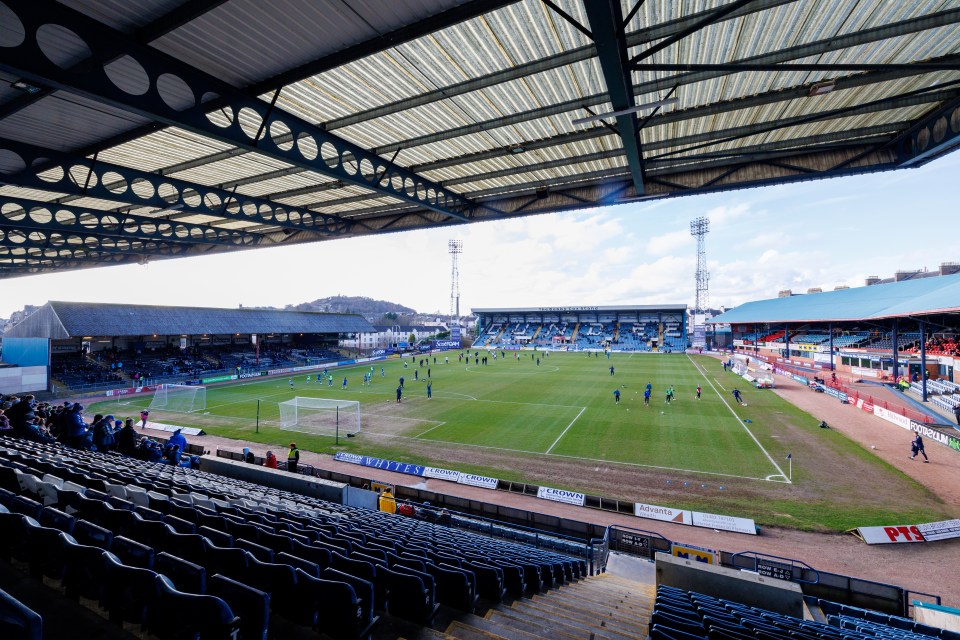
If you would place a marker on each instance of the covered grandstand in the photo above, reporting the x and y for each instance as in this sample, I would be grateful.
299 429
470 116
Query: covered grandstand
855 330
576 328
93 345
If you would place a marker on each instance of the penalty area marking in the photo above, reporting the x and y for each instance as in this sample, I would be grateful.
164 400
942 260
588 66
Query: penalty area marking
564 432
740 421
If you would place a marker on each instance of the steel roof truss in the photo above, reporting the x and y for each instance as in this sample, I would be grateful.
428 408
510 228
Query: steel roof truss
606 26
160 87
81 177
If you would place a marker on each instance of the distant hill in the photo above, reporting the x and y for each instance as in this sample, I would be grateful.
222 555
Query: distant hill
353 304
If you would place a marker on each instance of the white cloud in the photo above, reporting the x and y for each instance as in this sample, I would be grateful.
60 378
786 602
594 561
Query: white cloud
669 243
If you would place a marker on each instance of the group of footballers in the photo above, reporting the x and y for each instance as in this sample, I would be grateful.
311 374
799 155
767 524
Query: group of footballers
669 394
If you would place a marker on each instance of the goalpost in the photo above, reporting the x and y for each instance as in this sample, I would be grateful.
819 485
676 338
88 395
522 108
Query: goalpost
180 398
320 416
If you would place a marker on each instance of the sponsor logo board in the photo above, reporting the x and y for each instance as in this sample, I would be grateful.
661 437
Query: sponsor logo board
943 530
560 495
380 463
664 514
724 523
478 481
441 474
690 552
446 344
890 535
890 416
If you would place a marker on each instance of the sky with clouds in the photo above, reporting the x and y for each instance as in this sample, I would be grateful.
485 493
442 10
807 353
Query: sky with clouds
821 233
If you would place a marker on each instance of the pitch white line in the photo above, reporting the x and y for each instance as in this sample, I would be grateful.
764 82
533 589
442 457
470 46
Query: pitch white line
437 426
740 420
564 432
719 385
568 457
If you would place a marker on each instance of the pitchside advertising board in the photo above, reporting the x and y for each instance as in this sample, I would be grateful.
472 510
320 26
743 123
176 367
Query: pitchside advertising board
927 532
559 495
440 345
695 518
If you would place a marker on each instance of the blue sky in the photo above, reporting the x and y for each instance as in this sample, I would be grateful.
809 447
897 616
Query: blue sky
821 233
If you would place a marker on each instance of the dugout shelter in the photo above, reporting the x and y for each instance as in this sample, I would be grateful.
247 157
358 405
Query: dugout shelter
855 330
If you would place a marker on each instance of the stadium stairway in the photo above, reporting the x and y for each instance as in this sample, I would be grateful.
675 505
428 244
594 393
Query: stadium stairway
602 607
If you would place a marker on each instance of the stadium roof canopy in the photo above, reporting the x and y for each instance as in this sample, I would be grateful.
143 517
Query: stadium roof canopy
922 297
63 320
132 131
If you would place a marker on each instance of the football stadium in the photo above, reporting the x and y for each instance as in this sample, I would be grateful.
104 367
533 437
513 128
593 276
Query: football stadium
785 468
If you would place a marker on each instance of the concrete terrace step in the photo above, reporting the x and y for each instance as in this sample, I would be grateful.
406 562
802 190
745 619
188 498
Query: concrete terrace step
473 627
572 615
541 627
624 616
637 604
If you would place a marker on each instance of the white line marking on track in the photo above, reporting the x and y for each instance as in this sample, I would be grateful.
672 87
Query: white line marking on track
564 432
740 420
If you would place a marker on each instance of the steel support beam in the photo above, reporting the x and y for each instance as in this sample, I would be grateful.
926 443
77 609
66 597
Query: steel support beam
46 218
712 18
154 85
83 177
737 67
811 144
606 28
157 29
934 135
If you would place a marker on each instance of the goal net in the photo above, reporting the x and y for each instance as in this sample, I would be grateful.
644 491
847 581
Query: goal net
320 416
181 398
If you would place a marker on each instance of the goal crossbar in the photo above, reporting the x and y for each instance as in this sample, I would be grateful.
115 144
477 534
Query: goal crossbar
323 416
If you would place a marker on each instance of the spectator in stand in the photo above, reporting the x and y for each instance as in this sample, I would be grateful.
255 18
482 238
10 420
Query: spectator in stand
178 439
956 413
5 428
248 456
76 427
103 438
127 439
270 461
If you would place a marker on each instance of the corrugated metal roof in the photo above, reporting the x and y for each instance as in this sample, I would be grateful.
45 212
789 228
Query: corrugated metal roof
61 320
895 299
485 105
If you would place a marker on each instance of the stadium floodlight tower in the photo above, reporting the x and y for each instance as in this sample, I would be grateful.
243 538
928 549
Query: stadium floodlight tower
455 248
699 228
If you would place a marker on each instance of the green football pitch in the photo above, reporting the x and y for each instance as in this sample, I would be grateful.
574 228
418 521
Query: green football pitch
557 424
563 406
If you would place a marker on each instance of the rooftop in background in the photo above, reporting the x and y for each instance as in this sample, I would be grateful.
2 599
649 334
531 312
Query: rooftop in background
157 129
63 320
925 296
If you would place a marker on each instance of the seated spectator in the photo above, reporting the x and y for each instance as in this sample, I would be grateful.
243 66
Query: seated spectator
270 461
5 428
248 456
173 455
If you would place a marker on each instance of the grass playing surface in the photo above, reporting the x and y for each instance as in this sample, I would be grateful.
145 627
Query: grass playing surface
557 424
564 406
